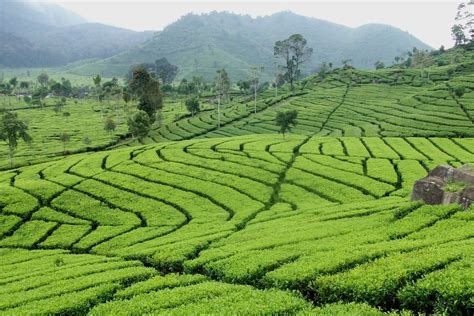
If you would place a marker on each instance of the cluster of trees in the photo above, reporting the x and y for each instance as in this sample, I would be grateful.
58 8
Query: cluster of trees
463 31
161 70
144 88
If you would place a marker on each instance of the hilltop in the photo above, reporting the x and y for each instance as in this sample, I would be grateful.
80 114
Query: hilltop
201 44
43 34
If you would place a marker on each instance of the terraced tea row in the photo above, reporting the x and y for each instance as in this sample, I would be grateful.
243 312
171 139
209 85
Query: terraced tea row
390 102
259 210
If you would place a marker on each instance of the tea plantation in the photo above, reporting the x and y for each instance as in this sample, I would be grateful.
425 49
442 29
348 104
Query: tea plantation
242 220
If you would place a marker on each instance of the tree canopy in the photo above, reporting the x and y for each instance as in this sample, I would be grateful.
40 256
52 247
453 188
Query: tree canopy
12 129
147 90
286 120
295 53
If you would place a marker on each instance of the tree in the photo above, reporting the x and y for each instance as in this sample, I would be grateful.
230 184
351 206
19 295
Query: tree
66 115
244 85
278 82
64 138
459 91
463 31
379 65
43 79
286 119
294 52
24 85
192 105
97 80
457 33
86 140
139 124
126 96
186 87
222 87
59 105
255 74
199 84
323 70
38 95
12 129
147 91
165 71
110 125
347 64
14 82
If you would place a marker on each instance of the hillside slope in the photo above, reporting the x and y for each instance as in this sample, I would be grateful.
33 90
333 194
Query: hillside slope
42 34
387 102
244 219
201 44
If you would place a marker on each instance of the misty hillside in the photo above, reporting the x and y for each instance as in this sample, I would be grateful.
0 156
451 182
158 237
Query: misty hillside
48 35
200 44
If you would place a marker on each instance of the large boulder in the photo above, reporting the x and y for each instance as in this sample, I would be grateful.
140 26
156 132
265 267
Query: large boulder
437 186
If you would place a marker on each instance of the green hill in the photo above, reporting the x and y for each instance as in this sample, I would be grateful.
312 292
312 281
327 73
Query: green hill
40 34
241 220
201 44
386 102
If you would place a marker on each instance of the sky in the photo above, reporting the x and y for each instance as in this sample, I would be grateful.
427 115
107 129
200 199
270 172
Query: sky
429 20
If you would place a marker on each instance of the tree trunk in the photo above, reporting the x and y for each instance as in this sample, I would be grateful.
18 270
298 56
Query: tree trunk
219 112
255 100
10 154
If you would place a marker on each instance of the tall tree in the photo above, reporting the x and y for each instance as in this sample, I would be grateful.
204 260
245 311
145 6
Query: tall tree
110 126
12 129
43 79
457 33
285 120
97 80
147 91
463 31
294 52
165 71
255 75
222 87
192 105
139 124
64 138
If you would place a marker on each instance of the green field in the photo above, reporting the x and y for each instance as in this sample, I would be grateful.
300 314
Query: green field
241 219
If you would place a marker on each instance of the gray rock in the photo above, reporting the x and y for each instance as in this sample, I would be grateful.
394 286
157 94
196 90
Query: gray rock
431 189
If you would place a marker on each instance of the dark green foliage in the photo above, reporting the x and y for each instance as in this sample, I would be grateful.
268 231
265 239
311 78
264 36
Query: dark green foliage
295 53
379 65
139 124
43 79
192 105
110 125
244 85
165 71
12 129
147 91
459 91
286 119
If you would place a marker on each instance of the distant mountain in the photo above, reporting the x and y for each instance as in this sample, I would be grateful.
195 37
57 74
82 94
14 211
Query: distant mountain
43 34
200 44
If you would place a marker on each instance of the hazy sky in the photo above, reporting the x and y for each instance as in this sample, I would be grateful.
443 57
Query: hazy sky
428 20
